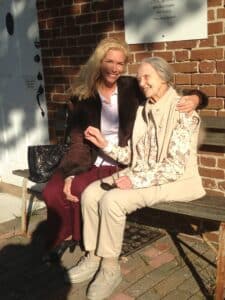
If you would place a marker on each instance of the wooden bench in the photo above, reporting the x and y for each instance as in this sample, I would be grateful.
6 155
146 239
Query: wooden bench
209 207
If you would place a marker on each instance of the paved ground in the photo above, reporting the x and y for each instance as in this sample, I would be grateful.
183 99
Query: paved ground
157 271
154 272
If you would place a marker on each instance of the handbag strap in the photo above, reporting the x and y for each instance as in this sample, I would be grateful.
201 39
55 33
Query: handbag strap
63 119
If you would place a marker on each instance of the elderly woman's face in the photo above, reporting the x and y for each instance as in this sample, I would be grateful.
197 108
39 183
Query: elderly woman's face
112 66
152 85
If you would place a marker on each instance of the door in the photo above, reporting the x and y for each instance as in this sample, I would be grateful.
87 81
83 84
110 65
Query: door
22 121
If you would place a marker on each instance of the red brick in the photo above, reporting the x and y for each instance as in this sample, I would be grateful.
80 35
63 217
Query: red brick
70 10
182 44
209 42
85 8
221 163
206 79
216 27
59 97
213 173
220 66
116 14
221 13
208 161
137 47
86 18
103 5
209 183
102 27
132 69
182 79
213 3
211 15
156 46
118 35
186 67
207 66
209 90
221 40
216 103
221 185
102 16
207 54
181 55
141 55
220 91
167 55
119 25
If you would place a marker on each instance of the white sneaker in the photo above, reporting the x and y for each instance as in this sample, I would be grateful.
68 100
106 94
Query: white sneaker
107 279
85 269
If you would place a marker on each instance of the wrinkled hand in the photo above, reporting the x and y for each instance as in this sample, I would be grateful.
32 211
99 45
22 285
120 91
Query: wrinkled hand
94 135
67 190
188 104
123 183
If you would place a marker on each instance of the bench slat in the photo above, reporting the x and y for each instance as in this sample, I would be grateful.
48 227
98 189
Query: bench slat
213 122
206 208
213 139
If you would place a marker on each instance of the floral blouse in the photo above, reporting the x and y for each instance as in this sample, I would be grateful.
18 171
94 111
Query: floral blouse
148 171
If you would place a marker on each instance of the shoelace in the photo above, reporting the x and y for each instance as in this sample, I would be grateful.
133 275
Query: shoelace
107 274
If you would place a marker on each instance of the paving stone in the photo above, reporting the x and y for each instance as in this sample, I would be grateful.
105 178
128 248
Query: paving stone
121 296
161 260
151 294
176 295
173 281
189 286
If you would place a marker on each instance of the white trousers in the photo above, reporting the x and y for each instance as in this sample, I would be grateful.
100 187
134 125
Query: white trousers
104 215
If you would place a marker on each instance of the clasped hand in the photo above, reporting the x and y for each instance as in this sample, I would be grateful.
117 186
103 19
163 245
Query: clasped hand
95 136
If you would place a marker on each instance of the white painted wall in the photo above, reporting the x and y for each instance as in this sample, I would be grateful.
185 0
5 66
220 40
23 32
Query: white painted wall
21 122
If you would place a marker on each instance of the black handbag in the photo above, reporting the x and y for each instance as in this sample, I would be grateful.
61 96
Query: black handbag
44 159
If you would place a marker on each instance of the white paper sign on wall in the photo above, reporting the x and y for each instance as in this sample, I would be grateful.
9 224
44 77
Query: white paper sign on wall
152 21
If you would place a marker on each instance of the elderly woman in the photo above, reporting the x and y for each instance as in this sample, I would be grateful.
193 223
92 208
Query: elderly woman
162 166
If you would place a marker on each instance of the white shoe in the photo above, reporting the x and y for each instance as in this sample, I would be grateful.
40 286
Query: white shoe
107 279
85 269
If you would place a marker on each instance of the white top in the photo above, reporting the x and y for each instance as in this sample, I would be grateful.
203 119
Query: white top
109 125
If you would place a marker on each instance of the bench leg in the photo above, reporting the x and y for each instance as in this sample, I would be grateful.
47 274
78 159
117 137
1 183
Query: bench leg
220 276
24 207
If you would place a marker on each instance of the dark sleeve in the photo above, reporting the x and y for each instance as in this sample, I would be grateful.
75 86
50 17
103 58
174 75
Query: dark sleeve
203 98
78 157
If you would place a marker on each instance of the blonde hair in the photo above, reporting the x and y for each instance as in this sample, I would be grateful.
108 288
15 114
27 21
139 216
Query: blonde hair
162 67
89 76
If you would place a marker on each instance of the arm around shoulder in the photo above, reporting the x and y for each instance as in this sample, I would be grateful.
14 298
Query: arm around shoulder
203 98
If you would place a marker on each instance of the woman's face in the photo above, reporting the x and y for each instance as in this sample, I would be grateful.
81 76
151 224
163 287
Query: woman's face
112 67
152 85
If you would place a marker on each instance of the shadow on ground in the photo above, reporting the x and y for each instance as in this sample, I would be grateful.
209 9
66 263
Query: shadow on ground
23 276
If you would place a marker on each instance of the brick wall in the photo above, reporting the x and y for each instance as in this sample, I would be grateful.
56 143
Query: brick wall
70 29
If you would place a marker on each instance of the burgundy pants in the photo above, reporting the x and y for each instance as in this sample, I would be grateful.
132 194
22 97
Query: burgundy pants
63 216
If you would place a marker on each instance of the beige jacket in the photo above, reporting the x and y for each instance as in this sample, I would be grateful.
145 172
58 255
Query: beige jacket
188 185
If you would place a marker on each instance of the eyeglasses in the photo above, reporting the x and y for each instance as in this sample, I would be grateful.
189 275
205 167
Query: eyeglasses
105 185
